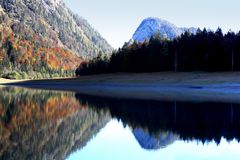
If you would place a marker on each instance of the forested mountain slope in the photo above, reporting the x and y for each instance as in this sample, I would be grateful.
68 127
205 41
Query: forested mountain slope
44 36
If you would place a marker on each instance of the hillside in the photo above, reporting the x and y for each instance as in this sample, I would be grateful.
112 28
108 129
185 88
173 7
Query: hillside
53 20
44 36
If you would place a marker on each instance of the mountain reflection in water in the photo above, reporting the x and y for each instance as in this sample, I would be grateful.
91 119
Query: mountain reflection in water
42 124
37 124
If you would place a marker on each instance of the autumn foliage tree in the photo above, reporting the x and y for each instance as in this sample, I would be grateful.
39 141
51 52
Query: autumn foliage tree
31 55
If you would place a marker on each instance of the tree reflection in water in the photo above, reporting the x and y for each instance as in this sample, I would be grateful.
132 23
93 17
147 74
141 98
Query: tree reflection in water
201 121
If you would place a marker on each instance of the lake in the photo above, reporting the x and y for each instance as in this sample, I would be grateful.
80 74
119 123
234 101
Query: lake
44 124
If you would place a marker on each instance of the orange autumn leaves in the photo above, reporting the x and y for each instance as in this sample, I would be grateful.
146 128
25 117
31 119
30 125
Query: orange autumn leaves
34 50
60 107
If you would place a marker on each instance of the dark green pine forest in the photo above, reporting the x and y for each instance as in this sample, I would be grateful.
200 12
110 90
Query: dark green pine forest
204 51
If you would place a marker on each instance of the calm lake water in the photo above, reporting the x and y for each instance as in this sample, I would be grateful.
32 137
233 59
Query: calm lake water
42 124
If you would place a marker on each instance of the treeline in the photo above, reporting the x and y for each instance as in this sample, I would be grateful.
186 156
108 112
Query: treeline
203 51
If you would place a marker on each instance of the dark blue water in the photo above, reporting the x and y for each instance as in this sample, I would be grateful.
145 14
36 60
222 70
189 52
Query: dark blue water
43 124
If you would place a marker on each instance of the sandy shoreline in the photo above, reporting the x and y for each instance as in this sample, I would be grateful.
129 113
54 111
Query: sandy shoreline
3 81
223 87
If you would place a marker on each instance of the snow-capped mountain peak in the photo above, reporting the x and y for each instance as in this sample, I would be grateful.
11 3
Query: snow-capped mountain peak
152 26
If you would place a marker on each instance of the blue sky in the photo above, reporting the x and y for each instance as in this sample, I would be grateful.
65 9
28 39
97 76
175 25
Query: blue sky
116 20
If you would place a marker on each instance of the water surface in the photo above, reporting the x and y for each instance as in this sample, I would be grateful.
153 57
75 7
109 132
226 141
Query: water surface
44 124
